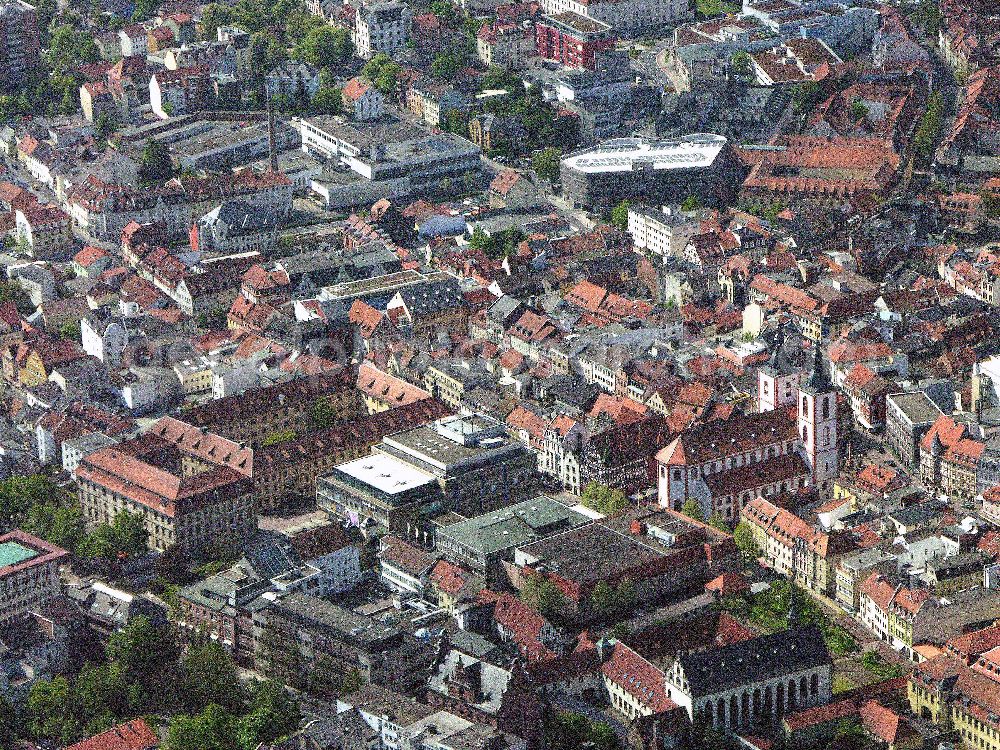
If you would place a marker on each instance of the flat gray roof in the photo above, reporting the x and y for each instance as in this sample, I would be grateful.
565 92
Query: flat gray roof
386 473
917 406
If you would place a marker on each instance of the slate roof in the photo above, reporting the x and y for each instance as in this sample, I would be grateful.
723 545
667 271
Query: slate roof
767 657
432 297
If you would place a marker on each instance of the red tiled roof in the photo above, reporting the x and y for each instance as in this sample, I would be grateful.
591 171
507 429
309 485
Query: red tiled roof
638 677
523 419
621 409
525 624
132 735
387 388
356 88
448 577
883 723
728 584
89 255
504 181
811 717
365 317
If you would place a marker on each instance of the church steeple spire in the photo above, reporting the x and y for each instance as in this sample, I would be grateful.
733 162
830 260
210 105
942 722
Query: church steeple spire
818 380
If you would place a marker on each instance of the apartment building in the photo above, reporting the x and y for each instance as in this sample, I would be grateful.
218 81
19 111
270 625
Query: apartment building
381 27
624 15
19 43
29 573
192 488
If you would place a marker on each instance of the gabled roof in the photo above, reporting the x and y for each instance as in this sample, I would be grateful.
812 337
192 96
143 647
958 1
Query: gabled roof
639 677
132 735
356 88
769 656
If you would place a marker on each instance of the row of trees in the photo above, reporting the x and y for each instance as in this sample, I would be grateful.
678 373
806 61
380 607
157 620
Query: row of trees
925 139
146 674
39 506
604 499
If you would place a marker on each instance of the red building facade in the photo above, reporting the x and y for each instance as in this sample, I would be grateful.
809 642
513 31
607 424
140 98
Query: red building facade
572 39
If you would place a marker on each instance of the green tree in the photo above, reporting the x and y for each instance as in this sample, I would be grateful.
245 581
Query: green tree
328 101
716 521
445 11
602 599
70 330
928 16
130 535
325 47
926 137
173 565
322 414
69 47
282 436
568 730
746 543
626 594
213 729
145 655
144 9
266 53
499 244
383 73
692 509
456 121
691 203
100 697
604 499
446 65
500 79
10 722
859 111
106 124
300 22
60 524
213 16
19 494
541 594
742 65
546 163
619 215
208 675
154 163
273 714
50 711
12 291
805 96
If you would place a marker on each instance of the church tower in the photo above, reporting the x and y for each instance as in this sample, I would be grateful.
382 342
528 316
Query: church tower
778 380
817 409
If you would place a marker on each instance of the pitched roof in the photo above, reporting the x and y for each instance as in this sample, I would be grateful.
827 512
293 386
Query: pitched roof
883 723
448 577
504 181
639 677
405 556
89 255
724 437
356 88
388 388
774 655
132 735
